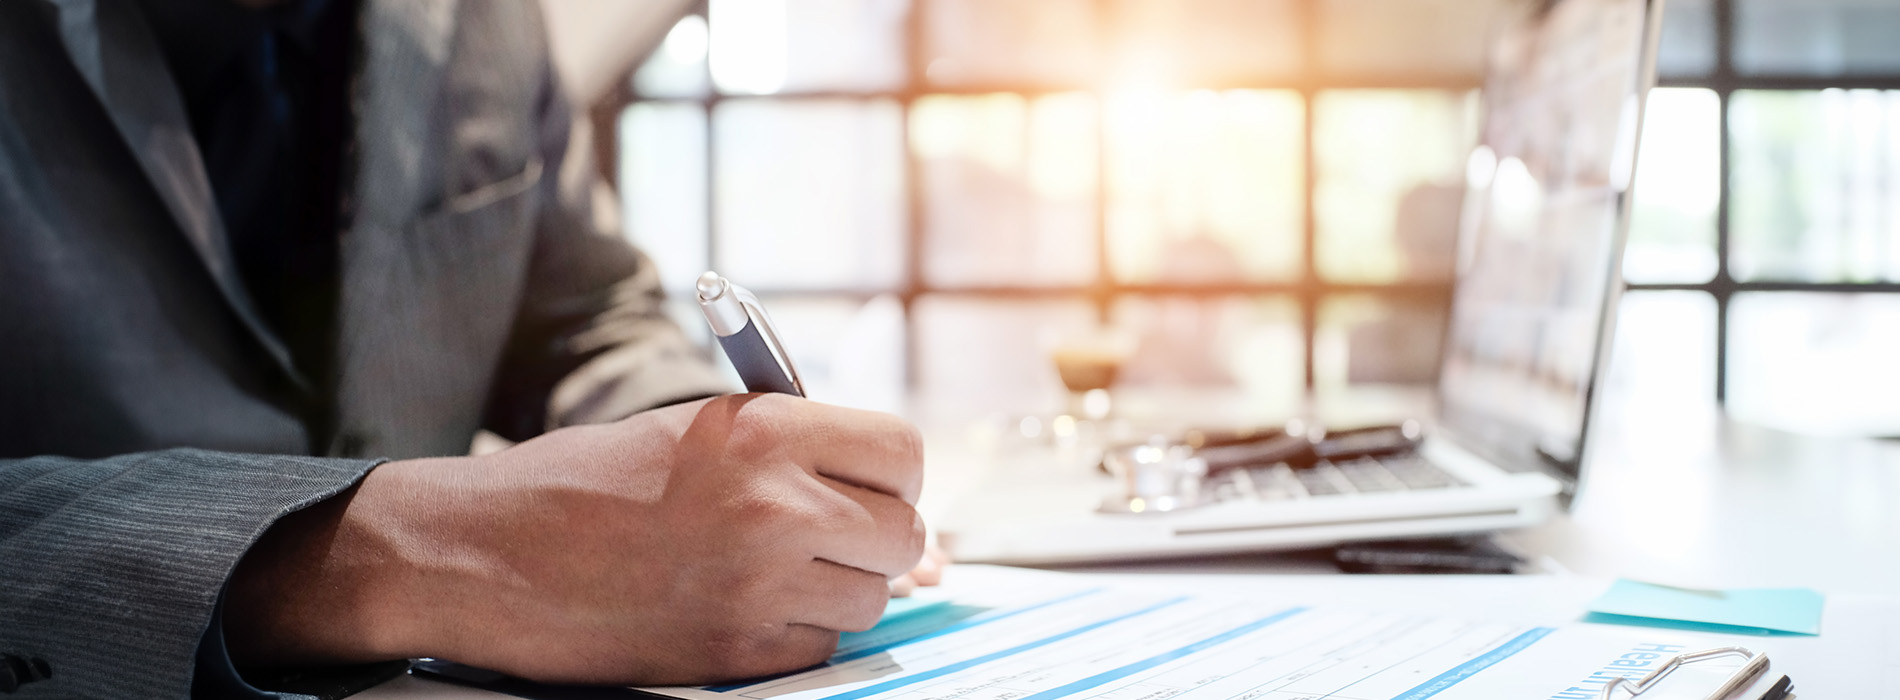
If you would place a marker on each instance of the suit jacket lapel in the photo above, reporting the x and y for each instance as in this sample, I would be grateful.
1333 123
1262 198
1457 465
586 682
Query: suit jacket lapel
112 47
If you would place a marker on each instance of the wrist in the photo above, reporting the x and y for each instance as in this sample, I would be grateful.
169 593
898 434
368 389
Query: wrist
344 580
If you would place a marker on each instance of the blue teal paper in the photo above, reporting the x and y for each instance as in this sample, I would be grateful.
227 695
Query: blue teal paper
1741 610
907 606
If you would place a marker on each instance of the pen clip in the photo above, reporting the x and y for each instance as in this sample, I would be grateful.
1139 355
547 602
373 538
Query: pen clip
756 313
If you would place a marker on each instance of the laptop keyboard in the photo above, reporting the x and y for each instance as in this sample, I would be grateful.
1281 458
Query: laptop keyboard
1280 482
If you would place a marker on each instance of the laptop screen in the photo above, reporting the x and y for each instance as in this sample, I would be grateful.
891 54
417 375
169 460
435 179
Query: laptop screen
1541 238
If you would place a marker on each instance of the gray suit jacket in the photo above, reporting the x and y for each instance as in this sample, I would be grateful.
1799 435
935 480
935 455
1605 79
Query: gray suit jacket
149 421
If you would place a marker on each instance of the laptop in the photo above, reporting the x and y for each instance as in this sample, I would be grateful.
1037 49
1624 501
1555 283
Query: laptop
1537 282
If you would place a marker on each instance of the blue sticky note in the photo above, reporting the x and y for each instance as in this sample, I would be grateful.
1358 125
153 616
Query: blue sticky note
1736 611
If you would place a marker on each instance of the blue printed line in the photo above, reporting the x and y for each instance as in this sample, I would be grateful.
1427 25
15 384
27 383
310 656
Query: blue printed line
1148 663
958 627
870 690
1472 667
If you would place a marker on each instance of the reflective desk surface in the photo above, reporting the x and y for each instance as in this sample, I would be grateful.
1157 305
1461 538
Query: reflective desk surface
1677 495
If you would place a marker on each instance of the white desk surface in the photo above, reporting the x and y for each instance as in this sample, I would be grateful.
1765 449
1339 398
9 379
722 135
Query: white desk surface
1672 495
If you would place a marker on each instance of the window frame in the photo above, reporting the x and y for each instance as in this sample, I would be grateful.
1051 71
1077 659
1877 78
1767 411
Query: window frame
1309 290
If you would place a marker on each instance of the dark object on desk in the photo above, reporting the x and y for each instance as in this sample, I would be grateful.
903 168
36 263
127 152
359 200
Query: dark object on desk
16 671
326 683
1467 555
451 672
1232 450
1780 691
1371 441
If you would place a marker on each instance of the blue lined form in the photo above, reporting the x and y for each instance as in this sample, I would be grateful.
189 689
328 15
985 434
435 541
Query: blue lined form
1471 668
1153 661
959 627
1009 634
906 613
1012 651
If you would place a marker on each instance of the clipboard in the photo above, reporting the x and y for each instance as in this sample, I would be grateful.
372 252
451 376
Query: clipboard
1742 678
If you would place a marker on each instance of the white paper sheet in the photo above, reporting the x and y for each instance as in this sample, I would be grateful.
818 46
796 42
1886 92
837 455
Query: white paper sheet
1011 634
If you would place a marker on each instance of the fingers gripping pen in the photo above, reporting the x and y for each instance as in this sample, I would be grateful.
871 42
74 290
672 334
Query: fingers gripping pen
746 333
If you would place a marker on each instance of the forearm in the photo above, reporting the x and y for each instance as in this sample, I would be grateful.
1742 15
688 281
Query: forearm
115 565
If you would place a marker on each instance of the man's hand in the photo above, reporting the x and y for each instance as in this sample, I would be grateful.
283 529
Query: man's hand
720 539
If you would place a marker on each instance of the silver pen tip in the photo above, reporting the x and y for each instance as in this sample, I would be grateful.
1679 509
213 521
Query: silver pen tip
710 286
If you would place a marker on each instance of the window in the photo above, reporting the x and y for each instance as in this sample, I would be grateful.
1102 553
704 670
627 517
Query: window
1767 214
1277 179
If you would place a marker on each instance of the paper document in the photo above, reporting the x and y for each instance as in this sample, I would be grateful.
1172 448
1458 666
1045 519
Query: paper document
1005 634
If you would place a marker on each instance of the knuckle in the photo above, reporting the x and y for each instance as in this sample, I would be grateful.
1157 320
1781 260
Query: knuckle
836 515
763 422
754 507
768 521
908 444
901 449
867 605
915 539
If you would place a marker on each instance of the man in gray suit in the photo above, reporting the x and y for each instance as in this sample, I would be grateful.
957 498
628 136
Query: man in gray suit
266 272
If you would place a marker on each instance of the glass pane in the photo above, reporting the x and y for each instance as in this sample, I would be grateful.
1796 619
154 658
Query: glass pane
767 46
849 352
1390 182
809 194
1011 42
1009 188
1663 361
1205 186
1252 344
1678 187
1207 43
1820 363
1688 39
662 172
1815 186
1431 38
1366 339
1817 37
678 68
991 354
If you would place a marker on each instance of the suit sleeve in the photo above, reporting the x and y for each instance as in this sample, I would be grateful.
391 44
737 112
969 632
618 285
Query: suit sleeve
110 569
592 341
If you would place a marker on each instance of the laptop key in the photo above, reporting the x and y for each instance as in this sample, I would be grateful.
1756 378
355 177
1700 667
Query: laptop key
1417 473
1322 480
1368 476
1275 483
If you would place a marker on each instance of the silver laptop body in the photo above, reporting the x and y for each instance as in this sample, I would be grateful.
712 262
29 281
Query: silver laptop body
1538 278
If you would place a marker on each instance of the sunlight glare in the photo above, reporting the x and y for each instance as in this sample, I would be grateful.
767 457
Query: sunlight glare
749 45
686 43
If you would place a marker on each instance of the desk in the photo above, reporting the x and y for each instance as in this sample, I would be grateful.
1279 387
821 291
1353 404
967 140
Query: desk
1738 505
1676 495
1685 496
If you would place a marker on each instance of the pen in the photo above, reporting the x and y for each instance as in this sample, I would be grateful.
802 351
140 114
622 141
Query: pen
746 333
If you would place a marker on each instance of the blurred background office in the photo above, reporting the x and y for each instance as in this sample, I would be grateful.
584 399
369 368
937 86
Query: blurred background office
1262 195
